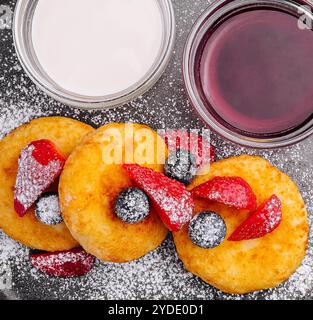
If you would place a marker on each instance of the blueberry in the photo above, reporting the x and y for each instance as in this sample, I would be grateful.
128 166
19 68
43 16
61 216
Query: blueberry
47 209
132 205
181 165
207 229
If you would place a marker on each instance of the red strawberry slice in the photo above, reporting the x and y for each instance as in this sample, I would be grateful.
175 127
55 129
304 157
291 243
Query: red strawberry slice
190 141
231 191
171 198
39 165
265 220
72 263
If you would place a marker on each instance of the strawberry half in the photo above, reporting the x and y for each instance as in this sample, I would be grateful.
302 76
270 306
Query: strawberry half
231 191
265 220
171 198
190 141
72 263
39 165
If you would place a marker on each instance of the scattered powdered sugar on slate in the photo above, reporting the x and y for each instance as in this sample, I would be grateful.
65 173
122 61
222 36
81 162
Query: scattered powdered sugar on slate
159 274
12 258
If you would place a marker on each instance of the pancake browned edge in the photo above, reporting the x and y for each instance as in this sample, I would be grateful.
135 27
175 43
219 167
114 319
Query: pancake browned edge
246 266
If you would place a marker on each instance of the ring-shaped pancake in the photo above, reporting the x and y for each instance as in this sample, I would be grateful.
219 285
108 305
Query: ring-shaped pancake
65 133
246 266
90 184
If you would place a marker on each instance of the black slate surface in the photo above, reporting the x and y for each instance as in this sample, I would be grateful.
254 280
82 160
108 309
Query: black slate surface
159 274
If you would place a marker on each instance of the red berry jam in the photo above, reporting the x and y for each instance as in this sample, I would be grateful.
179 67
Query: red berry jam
256 72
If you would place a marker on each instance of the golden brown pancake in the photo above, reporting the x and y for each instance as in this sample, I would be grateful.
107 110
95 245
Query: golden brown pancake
65 133
90 184
251 265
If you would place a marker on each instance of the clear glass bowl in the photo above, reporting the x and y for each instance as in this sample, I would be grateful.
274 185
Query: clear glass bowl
215 14
22 25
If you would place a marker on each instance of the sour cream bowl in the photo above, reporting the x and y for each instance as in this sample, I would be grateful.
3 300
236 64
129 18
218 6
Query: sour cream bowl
24 45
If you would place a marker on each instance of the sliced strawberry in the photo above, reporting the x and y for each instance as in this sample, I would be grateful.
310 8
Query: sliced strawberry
45 152
171 198
231 191
263 221
72 263
190 141
39 165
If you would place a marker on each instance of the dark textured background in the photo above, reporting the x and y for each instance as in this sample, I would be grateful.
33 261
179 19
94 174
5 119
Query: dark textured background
161 274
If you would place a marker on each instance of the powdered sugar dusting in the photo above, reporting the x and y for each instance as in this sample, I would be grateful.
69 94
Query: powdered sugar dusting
48 209
263 221
159 274
272 214
33 177
207 229
181 165
232 191
132 205
173 200
72 263
12 254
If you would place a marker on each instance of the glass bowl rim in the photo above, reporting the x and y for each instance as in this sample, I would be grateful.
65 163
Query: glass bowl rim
29 62
209 16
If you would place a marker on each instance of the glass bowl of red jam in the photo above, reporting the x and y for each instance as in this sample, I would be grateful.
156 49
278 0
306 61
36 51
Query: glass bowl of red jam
248 71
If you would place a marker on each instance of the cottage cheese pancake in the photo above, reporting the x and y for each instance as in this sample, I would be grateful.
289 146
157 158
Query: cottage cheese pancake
65 133
89 187
250 265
